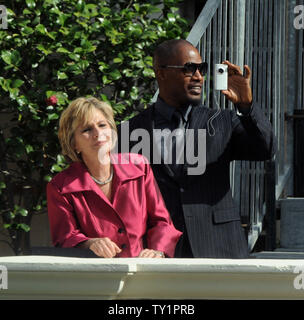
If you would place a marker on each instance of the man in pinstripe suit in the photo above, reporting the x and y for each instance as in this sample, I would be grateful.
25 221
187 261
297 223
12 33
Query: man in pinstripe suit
201 205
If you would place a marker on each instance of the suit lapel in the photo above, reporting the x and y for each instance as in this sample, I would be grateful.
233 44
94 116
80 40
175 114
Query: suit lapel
198 120
153 146
199 117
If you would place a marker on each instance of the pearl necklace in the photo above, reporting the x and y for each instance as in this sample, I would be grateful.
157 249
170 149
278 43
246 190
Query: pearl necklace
106 181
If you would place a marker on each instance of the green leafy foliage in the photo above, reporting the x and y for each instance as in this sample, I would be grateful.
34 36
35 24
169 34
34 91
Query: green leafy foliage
67 49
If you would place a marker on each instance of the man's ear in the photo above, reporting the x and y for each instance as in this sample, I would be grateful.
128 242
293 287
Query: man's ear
160 74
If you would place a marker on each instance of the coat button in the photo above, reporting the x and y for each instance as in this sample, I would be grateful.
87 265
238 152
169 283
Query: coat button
123 246
121 230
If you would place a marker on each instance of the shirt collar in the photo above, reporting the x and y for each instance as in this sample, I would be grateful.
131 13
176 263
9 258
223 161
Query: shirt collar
127 166
166 111
78 178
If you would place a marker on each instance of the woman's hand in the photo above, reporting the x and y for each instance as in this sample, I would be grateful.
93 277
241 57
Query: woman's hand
150 253
104 247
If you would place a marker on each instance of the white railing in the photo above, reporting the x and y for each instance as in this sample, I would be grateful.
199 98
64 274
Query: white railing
61 278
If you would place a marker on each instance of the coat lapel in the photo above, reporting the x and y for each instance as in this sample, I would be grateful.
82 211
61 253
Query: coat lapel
154 148
125 169
199 117
78 179
198 120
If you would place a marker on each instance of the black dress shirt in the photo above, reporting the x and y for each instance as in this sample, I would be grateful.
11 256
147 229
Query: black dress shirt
164 119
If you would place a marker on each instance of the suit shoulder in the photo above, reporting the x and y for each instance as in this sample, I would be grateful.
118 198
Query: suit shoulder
142 115
203 110
137 120
60 177
203 114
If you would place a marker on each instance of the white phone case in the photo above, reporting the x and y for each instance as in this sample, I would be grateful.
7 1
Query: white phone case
220 77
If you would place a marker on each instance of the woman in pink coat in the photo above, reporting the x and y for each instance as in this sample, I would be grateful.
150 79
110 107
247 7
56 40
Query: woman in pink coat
109 203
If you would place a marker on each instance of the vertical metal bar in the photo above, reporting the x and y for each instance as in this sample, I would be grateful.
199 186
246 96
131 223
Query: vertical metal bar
270 73
220 33
283 85
239 49
208 56
255 73
225 29
231 29
261 99
302 87
300 100
291 94
215 52
269 61
230 105
270 206
265 53
240 18
219 30
260 32
276 70
240 10
250 51
255 89
301 67
203 55
224 37
283 48
245 171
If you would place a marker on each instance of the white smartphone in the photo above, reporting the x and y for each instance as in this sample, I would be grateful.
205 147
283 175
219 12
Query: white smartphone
220 76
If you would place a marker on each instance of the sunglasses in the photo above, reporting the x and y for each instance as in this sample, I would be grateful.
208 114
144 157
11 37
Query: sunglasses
190 68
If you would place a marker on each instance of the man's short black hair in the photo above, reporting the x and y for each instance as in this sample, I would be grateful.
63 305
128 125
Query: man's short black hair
166 50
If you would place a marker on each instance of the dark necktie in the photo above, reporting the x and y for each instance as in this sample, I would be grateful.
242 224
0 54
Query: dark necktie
178 143
178 119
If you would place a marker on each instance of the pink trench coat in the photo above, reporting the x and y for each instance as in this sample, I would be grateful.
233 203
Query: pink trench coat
135 219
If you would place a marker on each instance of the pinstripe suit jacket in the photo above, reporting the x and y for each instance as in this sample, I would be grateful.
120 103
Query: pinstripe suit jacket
209 213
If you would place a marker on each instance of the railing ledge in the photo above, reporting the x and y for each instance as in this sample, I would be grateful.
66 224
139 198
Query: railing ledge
49 277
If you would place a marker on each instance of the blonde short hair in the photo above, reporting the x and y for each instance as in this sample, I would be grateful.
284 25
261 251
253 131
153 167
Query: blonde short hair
78 112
